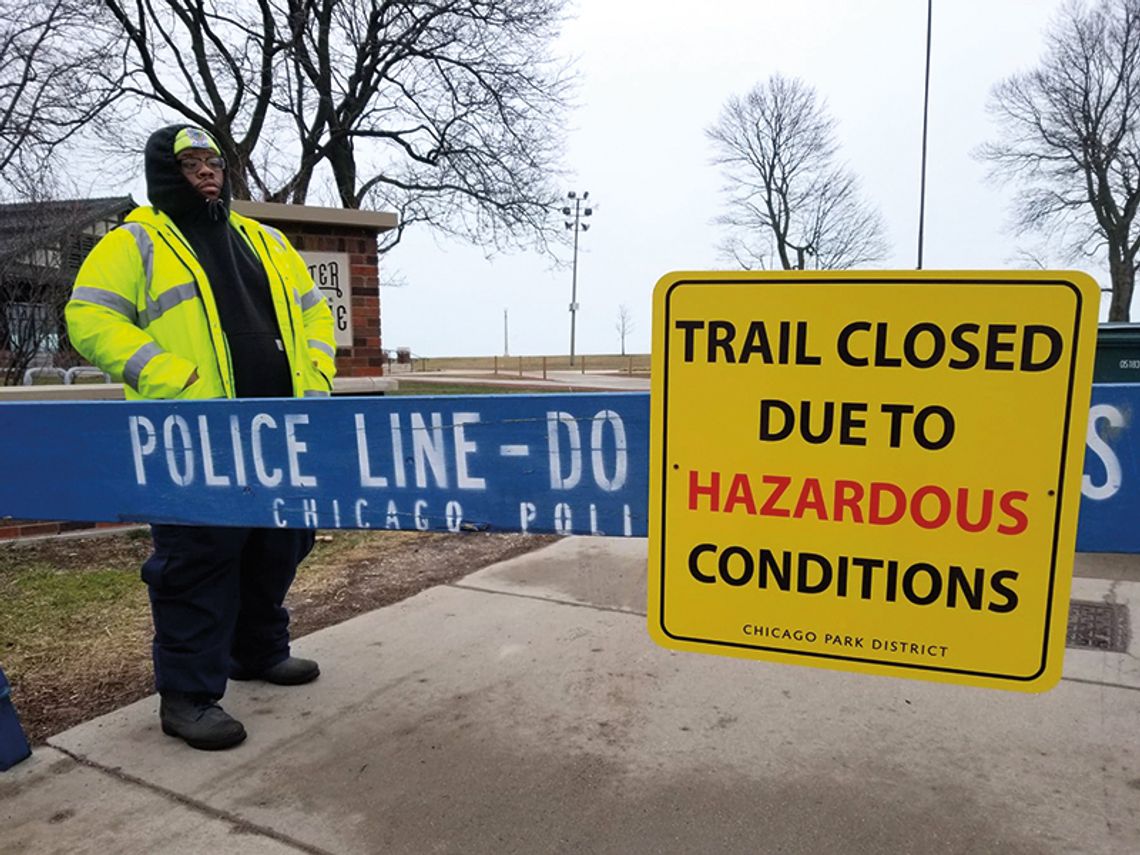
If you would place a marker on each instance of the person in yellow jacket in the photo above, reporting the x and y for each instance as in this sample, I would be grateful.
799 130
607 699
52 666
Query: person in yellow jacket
189 300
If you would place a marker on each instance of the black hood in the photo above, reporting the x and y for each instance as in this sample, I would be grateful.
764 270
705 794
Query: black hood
170 191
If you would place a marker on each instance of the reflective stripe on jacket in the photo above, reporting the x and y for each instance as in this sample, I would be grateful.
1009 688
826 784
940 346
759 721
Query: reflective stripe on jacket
142 310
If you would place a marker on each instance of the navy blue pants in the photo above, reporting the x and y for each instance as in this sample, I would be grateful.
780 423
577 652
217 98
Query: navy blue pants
217 597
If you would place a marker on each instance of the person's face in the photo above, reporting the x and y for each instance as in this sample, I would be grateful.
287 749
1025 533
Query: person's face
204 170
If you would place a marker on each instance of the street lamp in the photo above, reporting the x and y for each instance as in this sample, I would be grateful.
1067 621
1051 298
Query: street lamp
578 225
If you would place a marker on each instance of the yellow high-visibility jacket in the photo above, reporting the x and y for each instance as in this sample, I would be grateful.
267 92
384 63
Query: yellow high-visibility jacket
142 310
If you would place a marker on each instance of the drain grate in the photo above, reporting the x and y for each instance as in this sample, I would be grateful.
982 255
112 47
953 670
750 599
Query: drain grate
1098 626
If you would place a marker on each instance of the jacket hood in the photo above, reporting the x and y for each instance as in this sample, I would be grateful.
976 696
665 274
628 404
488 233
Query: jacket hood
168 188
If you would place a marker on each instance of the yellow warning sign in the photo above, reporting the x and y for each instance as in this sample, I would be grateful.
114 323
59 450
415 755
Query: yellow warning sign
877 472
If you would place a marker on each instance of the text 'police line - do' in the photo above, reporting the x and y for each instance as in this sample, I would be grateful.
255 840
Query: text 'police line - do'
410 454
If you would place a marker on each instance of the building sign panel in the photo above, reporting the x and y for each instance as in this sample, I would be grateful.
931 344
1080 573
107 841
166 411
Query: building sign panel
330 272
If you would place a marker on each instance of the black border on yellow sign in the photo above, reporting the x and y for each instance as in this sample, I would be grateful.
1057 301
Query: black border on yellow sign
865 280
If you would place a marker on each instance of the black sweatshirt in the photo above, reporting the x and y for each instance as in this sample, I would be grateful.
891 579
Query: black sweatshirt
236 277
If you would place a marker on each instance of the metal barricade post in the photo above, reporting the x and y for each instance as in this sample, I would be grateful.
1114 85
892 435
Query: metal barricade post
14 746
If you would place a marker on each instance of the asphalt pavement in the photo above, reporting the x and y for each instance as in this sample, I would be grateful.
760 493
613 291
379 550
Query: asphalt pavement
524 709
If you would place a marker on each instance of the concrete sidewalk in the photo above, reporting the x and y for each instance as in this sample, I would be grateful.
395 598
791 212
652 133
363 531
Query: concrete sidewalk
525 710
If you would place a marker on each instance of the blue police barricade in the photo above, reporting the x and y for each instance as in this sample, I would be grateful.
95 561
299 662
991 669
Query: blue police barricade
1110 488
571 464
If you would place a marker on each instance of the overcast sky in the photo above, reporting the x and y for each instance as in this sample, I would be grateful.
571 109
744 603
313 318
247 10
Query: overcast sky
654 75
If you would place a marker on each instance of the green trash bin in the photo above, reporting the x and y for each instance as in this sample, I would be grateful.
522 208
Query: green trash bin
1117 354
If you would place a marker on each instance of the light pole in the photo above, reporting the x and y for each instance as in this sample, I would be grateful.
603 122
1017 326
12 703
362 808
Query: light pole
578 225
925 120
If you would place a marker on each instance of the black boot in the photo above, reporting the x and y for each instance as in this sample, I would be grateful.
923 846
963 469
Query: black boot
200 721
288 672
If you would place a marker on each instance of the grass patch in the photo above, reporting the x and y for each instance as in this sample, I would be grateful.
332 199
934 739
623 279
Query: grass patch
410 387
508 364
43 600
46 610
89 594
331 551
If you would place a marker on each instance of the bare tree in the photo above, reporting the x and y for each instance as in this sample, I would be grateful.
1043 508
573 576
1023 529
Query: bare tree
49 93
789 203
447 111
624 325
1069 138
49 88
209 61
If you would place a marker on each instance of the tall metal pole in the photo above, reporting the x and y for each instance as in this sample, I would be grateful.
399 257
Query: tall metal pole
577 225
506 347
574 282
925 122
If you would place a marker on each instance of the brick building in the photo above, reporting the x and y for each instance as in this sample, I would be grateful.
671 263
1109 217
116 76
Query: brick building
340 246
42 244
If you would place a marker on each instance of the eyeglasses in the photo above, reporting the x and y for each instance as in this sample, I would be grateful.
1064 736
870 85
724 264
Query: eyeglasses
193 164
